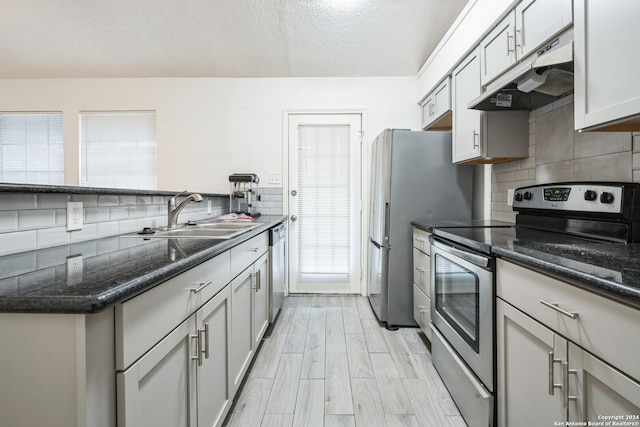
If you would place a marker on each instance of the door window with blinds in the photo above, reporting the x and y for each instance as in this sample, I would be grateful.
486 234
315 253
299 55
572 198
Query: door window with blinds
118 149
31 148
324 174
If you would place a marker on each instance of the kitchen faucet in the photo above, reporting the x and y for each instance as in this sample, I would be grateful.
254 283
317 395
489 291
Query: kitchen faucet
173 211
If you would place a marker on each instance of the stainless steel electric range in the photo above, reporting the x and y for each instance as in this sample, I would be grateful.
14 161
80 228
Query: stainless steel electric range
463 267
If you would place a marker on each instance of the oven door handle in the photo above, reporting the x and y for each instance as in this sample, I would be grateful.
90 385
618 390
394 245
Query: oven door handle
479 260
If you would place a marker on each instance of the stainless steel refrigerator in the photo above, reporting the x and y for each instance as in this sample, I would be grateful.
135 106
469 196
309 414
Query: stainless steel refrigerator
412 178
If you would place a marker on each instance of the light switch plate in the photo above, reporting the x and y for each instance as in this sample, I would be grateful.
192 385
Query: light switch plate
75 216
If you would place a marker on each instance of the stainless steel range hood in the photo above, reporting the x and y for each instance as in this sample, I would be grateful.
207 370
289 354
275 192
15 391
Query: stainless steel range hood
539 79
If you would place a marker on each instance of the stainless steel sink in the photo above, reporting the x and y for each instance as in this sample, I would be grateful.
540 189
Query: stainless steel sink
217 230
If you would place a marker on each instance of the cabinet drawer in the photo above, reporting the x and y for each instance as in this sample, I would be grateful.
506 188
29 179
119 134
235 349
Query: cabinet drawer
421 310
421 268
248 252
421 240
602 326
145 319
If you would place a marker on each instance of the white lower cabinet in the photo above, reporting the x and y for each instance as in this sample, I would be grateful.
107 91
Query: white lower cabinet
182 380
261 299
160 388
241 320
563 354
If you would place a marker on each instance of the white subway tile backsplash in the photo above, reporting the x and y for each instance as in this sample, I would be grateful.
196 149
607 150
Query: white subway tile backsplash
88 200
619 168
128 200
52 201
108 200
118 213
93 215
49 237
34 219
19 241
88 232
128 226
61 217
8 221
16 202
108 245
86 249
106 229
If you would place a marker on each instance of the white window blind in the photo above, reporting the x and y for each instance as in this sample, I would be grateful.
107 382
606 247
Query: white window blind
324 203
31 148
118 149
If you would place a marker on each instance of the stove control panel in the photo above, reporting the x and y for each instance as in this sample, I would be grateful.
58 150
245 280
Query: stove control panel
574 197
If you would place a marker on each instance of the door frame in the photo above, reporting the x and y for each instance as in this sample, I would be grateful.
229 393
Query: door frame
365 149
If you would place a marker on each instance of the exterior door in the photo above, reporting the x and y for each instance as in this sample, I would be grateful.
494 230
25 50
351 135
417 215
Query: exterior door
325 203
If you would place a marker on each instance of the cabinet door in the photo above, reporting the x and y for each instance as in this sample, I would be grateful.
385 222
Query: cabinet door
427 111
241 320
442 98
160 388
596 389
261 299
466 122
422 310
606 71
214 332
530 360
498 50
539 20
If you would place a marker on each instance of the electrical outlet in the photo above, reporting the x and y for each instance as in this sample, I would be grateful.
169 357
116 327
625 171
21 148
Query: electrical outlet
75 216
209 207
510 192
75 269
275 178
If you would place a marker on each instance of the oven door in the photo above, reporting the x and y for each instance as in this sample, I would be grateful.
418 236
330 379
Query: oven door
462 305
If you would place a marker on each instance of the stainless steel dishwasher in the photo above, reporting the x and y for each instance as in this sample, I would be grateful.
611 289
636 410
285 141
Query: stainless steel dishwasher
277 267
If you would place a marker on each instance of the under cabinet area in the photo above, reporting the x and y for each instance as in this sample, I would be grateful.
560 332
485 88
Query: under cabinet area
421 280
571 347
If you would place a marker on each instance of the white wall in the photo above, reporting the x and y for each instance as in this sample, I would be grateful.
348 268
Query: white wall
208 128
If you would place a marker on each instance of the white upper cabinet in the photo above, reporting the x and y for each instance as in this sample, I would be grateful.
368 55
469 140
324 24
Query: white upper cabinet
436 109
466 122
607 93
523 30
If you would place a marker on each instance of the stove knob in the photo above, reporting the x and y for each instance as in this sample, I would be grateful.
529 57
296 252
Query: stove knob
518 197
528 195
606 197
591 195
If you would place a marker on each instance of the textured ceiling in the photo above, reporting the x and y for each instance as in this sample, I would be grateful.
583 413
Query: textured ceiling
220 38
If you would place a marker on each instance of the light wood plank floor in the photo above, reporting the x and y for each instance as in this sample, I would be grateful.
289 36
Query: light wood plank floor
328 362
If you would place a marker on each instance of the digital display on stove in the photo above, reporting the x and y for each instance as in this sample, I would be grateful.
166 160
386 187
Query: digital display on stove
559 194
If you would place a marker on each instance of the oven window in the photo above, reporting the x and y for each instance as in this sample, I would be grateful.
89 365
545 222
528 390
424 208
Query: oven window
457 298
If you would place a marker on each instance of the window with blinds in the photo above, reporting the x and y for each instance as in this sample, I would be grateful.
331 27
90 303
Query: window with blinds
118 149
31 148
324 158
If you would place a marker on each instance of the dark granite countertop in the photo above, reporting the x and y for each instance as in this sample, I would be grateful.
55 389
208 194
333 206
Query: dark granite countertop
115 269
70 189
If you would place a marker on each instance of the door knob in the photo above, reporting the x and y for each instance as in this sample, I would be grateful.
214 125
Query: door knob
294 193
294 218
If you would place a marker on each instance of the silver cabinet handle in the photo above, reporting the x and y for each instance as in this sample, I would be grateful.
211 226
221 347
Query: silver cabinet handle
554 305
201 287
476 137
509 50
519 37
552 385
198 355
566 372
258 281
206 340
421 269
254 282
254 249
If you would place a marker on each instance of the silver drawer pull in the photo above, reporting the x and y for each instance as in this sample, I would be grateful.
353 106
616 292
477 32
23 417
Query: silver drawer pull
552 385
566 371
421 309
554 305
254 249
201 287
